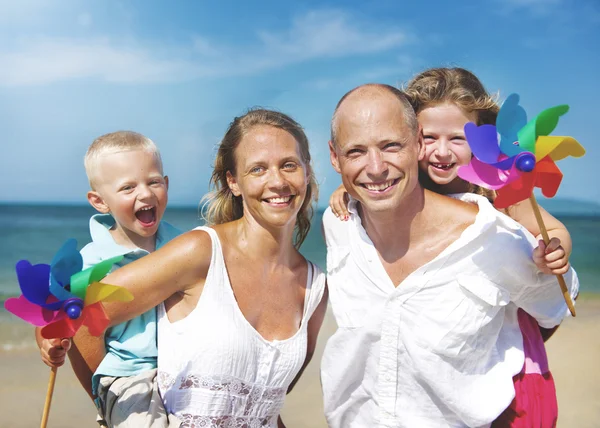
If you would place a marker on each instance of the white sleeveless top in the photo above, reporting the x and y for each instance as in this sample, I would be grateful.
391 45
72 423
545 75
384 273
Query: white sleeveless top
215 369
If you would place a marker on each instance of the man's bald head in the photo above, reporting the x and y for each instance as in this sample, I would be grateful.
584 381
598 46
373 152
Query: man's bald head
371 92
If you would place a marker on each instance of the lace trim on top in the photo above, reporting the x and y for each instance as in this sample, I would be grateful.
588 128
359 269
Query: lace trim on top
196 421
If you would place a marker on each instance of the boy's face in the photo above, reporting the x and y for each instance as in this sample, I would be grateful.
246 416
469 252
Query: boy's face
130 186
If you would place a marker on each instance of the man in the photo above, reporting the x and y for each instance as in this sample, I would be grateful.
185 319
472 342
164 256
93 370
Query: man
424 288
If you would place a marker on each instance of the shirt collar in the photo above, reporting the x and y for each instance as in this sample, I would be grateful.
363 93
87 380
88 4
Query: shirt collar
100 225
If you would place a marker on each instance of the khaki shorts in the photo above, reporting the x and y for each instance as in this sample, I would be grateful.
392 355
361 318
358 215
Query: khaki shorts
132 402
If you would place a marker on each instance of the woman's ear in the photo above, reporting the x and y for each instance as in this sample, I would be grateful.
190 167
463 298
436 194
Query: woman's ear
97 202
232 183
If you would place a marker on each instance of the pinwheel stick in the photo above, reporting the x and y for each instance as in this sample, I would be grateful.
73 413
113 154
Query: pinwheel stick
561 280
49 397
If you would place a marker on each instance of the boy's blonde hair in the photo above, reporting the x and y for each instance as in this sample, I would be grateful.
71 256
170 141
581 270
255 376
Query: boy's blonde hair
115 142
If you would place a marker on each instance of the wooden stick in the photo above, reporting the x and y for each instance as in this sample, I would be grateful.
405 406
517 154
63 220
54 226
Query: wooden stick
49 397
561 280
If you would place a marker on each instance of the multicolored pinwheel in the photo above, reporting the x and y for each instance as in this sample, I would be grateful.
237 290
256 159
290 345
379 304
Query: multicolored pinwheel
523 159
525 156
60 297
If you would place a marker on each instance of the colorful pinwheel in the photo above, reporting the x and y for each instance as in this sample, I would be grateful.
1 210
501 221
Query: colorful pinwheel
522 160
60 297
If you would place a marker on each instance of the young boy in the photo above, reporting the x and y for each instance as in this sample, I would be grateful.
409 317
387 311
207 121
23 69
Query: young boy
130 191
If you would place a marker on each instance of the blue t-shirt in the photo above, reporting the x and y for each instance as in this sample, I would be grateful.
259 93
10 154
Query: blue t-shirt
131 346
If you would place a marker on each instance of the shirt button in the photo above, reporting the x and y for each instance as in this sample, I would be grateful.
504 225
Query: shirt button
388 378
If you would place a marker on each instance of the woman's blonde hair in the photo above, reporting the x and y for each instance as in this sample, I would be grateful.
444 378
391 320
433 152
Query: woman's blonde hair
221 205
460 87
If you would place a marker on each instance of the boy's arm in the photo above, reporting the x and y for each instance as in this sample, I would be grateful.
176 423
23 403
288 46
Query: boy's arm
178 266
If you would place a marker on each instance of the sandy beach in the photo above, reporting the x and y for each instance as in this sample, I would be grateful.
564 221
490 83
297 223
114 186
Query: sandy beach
574 354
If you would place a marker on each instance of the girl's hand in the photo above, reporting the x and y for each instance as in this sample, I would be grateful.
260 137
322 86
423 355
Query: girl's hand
551 258
54 351
339 203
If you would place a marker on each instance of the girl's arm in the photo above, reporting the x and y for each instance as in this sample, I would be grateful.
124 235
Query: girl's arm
178 267
339 203
553 258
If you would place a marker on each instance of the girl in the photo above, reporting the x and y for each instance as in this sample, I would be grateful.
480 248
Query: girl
445 99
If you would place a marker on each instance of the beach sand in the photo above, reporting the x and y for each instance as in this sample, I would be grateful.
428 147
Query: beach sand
574 354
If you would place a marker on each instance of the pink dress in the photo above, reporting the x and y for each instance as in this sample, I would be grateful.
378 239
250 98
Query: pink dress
535 402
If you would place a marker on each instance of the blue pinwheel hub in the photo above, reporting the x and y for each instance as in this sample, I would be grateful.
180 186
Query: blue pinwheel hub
73 308
525 161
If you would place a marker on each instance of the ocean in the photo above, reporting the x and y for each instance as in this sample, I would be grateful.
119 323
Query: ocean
36 232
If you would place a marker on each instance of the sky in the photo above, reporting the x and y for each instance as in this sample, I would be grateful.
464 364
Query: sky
179 72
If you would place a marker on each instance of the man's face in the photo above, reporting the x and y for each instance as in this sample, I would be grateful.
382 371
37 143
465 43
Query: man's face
376 153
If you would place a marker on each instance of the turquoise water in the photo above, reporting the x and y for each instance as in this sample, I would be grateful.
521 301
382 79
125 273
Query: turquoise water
35 232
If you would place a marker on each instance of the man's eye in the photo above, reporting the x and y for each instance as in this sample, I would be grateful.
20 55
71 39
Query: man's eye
392 146
256 170
353 152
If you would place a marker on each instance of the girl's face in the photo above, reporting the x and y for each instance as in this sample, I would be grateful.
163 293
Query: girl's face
446 147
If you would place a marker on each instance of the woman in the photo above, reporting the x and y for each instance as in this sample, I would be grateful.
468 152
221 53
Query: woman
242 307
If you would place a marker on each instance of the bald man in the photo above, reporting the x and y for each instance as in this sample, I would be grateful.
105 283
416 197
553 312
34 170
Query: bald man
424 288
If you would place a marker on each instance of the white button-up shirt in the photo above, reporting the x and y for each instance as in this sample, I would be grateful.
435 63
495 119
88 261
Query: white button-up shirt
441 348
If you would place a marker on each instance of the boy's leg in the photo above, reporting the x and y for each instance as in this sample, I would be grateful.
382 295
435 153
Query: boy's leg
86 354
132 402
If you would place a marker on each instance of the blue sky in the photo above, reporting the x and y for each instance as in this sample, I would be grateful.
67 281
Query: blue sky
179 71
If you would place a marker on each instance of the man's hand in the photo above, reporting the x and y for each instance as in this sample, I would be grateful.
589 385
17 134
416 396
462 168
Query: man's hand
551 258
54 351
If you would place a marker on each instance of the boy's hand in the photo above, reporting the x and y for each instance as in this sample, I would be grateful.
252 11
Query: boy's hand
339 203
551 259
54 351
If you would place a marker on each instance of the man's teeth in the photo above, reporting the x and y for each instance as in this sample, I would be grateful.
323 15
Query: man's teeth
380 186
281 200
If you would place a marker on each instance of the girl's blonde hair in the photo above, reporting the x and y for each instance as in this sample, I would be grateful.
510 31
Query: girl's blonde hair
221 205
456 86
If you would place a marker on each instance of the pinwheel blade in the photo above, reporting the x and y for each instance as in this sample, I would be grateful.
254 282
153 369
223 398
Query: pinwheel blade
548 177
483 141
514 192
100 292
511 118
558 148
31 312
65 327
543 124
96 319
485 175
81 280
34 281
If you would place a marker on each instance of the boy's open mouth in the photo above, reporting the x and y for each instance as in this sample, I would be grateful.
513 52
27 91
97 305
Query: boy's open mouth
146 216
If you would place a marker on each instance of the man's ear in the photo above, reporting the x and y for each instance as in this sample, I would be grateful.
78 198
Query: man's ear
333 157
97 202
167 181
421 143
232 183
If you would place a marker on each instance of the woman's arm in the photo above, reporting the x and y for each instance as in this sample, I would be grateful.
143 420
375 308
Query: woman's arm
179 266
314 326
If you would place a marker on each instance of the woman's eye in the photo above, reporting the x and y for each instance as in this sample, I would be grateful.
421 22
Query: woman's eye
290 165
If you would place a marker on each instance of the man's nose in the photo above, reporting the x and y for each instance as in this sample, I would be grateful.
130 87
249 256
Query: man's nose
376 166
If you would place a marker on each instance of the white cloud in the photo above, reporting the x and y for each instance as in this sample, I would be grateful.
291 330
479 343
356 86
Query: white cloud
316 35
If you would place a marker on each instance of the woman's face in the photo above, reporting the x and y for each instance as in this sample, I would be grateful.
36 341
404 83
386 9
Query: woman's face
270 176
446 148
